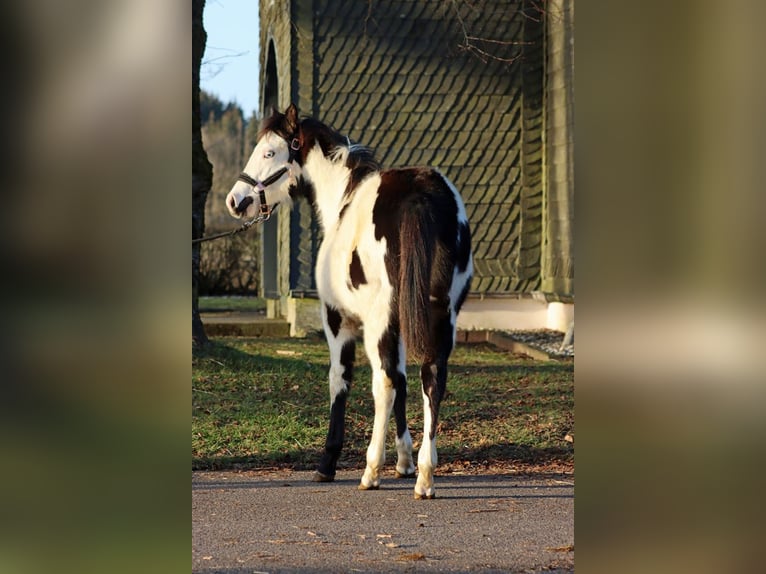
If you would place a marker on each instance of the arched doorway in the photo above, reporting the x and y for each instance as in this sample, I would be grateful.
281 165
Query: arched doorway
269 241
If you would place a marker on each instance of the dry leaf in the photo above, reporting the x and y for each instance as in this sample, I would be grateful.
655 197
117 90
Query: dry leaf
415 556
569 548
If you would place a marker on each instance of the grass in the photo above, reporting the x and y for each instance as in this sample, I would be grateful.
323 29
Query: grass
264 403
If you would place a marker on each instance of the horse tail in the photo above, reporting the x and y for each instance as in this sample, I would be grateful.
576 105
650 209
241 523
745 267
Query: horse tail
416 252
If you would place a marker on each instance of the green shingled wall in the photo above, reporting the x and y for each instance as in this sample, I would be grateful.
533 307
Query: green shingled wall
395 75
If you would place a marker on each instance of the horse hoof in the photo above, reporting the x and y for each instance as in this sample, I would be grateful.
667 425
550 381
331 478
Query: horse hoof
371 487
406 475
421 496
320 477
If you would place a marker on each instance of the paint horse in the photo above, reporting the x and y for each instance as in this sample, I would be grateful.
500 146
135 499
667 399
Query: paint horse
395 261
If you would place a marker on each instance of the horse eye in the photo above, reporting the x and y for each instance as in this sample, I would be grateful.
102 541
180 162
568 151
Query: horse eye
269 154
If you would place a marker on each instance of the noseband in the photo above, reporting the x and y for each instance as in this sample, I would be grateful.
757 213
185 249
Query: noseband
264 208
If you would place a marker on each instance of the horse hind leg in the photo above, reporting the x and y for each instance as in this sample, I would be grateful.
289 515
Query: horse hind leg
433 375
433 392
405 466
386 355
383 395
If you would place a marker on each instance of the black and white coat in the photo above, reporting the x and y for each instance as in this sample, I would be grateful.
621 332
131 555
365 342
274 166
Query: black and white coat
395 260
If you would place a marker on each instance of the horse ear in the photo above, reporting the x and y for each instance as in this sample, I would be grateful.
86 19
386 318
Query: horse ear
291 118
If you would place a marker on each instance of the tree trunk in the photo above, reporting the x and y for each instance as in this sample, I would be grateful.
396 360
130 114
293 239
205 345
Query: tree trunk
202 170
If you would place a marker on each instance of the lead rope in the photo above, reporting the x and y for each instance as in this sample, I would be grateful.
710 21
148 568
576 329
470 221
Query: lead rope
245 226
265 210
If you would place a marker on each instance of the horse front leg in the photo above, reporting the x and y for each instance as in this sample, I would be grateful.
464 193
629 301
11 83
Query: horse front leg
341 341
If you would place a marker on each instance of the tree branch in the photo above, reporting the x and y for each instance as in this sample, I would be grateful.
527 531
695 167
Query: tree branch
471 44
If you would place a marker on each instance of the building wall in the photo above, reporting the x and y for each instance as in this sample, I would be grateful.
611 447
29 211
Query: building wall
399 76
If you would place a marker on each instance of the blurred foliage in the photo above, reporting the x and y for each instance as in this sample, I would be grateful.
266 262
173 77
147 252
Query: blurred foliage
228 143
230 265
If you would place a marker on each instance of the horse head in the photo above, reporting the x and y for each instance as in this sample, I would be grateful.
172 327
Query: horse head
272 170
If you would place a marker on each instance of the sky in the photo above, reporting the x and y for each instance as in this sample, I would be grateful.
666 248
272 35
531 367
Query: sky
230 68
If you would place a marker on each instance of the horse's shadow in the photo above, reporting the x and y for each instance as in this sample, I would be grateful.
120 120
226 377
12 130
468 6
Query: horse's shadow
473 487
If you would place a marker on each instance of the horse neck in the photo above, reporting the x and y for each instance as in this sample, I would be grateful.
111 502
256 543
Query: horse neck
329 177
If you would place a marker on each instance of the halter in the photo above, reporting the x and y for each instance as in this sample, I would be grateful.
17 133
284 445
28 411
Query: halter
264 208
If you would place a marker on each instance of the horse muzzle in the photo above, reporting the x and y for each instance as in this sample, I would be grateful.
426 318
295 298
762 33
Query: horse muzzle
243 205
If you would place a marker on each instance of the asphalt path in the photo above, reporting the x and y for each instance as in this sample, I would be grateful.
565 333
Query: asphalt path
281 521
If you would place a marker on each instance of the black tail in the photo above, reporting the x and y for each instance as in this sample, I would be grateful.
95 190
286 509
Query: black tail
416 236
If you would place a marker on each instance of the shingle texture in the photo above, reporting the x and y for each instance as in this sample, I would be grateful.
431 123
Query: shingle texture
397 76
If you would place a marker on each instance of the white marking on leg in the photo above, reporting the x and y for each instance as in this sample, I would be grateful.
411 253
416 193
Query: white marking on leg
384 394
335 344
337 383
405 466
427 457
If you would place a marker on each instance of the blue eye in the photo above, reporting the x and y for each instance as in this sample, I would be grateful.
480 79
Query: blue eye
269 154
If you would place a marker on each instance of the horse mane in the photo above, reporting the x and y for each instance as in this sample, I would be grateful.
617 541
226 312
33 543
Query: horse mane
274 123
359 159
